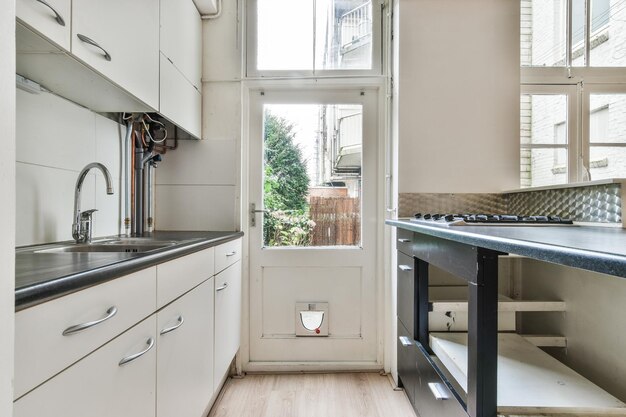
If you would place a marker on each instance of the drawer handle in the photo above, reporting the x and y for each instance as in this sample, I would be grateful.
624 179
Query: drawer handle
181 320
406 342
80 327
223 287
57 15
404 240
405 268
438 390
94 43
233 253
149 342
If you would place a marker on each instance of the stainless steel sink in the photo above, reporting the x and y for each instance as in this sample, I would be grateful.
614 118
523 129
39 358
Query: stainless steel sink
127 245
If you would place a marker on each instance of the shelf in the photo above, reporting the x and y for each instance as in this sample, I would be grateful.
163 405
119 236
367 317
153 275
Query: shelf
529 380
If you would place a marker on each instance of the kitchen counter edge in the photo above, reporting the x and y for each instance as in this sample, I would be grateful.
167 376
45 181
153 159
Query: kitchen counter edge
32 295
595 261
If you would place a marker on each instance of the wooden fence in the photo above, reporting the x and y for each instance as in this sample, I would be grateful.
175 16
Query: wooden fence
337 221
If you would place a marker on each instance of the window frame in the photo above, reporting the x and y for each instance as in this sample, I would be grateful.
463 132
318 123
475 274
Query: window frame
572 126
250 56
578 83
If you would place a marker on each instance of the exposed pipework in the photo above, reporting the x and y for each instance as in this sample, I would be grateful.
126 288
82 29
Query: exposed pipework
127 177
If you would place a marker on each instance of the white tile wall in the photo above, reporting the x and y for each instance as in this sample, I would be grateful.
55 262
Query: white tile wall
55 140
195 207
222 110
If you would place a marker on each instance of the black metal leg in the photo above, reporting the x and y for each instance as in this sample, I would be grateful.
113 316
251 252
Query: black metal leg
421 285
482 349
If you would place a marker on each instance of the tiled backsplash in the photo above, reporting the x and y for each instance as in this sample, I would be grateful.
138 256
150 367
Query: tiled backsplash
601 203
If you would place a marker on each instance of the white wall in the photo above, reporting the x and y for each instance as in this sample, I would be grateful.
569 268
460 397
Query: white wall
458 98
7 208
198 183
593 324
55 140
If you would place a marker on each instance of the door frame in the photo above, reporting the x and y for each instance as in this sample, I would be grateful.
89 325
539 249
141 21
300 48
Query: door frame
378 85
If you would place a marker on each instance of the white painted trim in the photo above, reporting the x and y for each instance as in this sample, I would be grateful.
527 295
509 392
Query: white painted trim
258 367
7 209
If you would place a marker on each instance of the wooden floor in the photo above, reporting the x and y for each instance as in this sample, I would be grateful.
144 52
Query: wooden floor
312 395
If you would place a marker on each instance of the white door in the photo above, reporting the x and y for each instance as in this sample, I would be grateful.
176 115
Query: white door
319 247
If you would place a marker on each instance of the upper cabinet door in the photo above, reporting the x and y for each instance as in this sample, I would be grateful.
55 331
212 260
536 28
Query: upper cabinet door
181 38
120 39
51 18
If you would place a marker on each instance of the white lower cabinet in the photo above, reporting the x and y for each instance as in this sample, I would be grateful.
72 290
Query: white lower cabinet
101 385
227 318
185 354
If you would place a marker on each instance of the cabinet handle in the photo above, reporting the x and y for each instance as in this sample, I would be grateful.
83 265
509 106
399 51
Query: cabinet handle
406 342
233 253
124 361
223 287
94 43
405 268
57 15
181 320
438 391
404 240
83 326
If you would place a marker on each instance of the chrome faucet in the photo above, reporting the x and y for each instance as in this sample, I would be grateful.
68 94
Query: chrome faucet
81 228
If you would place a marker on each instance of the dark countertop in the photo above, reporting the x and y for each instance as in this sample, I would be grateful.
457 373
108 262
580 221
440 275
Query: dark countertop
598 249
41 277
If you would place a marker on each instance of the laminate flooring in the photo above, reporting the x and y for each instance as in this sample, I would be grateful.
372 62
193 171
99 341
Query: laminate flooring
312 395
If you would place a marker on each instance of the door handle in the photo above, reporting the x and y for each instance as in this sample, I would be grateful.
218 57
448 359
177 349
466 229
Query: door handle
405 268
233 253
84 326
180 320
438 391
406 342
253 212
94 43
124 361
223 287
57 15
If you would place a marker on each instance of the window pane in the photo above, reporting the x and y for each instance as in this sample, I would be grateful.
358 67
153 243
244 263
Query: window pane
543 30
343 36
312 175
579 22
607 162
284 35
607 121
543 119
608 33
543 167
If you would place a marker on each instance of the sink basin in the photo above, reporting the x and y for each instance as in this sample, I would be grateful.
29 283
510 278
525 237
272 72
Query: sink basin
132 245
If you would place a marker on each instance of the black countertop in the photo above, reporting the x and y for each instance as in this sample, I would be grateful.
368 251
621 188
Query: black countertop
41 277
598 249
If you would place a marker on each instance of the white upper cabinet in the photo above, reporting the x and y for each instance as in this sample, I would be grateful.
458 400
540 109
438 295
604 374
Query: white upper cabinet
181 65
181 38
120 39
51 18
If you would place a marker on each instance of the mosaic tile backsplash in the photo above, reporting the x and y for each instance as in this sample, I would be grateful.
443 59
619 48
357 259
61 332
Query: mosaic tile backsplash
600 203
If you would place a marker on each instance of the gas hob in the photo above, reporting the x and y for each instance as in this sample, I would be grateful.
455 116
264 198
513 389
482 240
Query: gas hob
489 220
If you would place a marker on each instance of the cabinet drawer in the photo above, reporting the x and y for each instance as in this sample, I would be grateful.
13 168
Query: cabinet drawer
43 350
407 362
432 396
404 241
407 292
227 319
98 386
174 278
227 254
51 20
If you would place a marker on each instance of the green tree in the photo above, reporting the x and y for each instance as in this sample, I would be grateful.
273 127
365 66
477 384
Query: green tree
286 180
285 187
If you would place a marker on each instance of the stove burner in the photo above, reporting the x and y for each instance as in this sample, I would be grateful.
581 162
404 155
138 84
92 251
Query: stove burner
489 219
